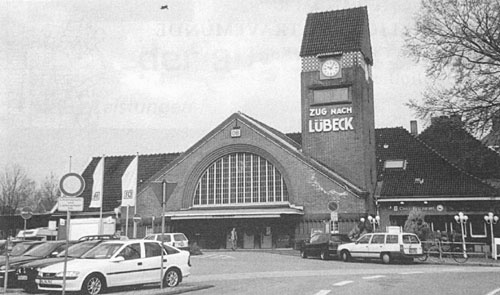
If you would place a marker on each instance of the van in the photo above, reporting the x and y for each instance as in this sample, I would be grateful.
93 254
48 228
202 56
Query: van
385 246
37 234
177 240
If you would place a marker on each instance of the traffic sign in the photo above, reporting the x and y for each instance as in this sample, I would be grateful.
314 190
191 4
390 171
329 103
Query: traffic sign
70 204
26 213
72 184
137 218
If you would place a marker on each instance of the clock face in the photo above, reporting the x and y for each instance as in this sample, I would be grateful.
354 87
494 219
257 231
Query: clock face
330 68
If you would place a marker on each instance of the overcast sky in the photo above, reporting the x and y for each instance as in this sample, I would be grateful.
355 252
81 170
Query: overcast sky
87 78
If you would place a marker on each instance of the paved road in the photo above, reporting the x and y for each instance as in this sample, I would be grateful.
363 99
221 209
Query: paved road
215 273
264 273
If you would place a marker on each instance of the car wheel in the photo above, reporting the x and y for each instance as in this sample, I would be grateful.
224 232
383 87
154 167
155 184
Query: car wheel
386 258
172 278
345 255
324 255
94 284
303 254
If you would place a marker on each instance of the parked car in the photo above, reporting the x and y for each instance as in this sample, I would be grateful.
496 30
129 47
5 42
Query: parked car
117 263
26 273
177 240
19 247
98 237
384 246
43 250
323 245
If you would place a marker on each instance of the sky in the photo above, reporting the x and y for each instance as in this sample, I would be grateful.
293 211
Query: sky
81 79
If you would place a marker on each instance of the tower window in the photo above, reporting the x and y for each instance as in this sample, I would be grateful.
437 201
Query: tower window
395 164
332 95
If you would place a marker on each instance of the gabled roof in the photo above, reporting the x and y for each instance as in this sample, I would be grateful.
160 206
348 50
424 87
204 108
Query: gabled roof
114 167
275 136
427 173
344 30
447 136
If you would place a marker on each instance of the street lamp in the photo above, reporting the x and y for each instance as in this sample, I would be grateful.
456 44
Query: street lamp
374 221
492 219
462 219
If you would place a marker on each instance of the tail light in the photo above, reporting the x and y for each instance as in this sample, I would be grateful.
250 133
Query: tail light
189 260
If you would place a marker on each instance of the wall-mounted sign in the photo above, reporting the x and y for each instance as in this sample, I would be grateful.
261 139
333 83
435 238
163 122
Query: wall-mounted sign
318 124
333 206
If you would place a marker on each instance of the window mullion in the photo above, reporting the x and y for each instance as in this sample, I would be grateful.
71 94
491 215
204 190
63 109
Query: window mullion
237 184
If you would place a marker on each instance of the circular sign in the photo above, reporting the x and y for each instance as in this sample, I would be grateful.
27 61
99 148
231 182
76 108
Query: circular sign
26 213
72 184
333 206
137 218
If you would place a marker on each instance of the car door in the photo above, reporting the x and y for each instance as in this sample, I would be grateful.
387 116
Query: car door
152 262
376 245
360 248
130 270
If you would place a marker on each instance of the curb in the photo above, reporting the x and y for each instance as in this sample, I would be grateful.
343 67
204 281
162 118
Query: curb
180 290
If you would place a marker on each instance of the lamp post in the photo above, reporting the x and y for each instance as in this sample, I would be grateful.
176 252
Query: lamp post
492 219
374 221
462 219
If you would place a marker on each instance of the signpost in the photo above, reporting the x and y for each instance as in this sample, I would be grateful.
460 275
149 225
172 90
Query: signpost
71 186
26 213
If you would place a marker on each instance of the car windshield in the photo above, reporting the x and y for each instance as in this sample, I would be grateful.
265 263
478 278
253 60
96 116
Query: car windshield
21 248
180 237
42 250
166 238
79 249
102 251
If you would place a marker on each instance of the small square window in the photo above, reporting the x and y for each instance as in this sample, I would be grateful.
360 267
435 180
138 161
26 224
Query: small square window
395 164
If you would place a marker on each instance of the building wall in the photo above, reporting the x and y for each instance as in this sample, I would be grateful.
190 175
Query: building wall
306 186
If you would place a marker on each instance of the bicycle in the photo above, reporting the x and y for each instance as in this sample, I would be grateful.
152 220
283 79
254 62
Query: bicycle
440 250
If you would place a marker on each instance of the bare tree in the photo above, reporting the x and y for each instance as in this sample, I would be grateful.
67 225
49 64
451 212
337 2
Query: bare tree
459 42
16 189
47 194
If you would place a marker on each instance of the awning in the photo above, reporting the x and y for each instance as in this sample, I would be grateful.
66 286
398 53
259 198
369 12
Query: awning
233 213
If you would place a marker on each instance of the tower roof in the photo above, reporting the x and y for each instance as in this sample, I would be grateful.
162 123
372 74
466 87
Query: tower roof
335 31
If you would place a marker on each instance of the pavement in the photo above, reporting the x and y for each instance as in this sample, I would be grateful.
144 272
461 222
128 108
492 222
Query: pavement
473 260
154 289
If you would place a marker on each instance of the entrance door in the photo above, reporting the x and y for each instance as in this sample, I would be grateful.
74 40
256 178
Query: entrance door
248 241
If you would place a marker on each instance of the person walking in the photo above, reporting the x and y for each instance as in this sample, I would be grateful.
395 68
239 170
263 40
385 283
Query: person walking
234 238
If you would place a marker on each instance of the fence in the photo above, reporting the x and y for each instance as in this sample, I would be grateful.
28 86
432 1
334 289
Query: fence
473 249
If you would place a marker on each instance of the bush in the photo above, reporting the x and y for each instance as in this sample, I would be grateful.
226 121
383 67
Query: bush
416 224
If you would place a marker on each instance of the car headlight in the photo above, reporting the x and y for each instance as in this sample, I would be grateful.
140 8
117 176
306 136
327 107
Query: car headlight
68 274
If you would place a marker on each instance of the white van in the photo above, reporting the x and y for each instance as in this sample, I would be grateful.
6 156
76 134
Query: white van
385 246
37 234
177 240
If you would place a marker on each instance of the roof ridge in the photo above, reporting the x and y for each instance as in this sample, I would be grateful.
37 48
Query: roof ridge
339 10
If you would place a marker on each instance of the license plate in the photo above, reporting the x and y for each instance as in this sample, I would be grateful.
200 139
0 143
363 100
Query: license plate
22 278
413 251
46 282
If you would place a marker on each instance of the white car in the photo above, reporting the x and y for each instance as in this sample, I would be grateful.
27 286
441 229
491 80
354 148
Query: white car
117 263
177 240
384 246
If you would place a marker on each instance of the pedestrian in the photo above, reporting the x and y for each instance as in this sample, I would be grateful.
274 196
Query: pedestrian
234 238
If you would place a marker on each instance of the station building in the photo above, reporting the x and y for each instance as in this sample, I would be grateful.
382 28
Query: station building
277 189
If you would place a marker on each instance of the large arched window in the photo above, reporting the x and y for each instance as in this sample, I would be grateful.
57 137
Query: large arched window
240 178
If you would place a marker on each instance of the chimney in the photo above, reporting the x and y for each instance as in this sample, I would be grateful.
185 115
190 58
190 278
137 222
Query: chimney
413 127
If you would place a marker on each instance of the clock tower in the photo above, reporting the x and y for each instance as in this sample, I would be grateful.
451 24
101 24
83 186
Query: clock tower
337 94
